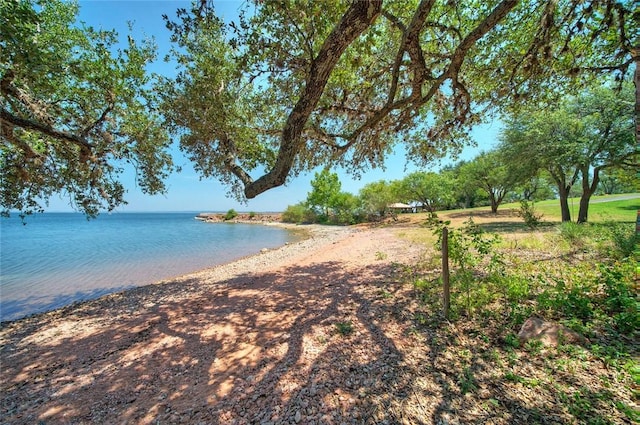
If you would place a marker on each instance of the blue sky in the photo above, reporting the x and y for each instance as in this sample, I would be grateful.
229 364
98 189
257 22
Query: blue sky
186 192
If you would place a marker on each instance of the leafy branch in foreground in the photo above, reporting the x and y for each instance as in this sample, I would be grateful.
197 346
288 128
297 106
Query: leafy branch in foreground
285 88
74 110
294 85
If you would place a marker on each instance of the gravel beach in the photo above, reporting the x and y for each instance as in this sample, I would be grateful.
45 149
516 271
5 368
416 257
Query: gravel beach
291 335
331 330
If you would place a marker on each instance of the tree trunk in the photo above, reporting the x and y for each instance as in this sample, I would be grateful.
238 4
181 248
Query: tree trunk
587 191
584 207
563 192
494 202
494 206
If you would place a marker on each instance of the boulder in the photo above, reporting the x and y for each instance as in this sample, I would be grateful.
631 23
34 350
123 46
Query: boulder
549 333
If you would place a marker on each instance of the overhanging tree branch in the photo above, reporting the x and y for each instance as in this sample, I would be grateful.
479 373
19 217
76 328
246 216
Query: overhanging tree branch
356 20
7 118
431 64
451 72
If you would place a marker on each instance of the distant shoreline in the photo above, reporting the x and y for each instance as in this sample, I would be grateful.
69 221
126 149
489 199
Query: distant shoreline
259 218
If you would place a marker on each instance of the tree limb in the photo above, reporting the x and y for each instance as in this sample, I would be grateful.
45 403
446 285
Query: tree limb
356 20
451 72
99 121
65 136
230 160
412 43
6 134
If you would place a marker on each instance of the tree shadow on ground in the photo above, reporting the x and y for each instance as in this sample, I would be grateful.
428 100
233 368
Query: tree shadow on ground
258 348
233 352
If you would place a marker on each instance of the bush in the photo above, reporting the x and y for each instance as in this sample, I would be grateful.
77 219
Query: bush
298 213
230 215
603 298
569 297
528 214
344 328
623 238
575 234
621 300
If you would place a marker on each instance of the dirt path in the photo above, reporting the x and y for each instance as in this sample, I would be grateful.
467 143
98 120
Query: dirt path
257 341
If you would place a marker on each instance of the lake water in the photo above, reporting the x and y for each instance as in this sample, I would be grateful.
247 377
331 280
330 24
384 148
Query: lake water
59 258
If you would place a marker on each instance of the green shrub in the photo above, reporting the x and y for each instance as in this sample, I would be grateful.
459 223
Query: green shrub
574 233
624 239
572 299
230 215
511 340
466 381
298 213
344 328
621 301
585 298
517 288
476 265
529 215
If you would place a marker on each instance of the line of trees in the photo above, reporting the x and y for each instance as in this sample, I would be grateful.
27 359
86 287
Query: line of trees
583 145
576 143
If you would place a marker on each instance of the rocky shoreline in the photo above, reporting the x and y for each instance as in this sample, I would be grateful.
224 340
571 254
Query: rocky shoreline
259 218
208 347
323 331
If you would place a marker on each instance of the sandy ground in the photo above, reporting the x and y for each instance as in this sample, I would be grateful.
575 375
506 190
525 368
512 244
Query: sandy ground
301 334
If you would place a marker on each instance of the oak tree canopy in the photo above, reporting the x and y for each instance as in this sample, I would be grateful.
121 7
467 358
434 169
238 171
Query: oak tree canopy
74 110
288 86
297 84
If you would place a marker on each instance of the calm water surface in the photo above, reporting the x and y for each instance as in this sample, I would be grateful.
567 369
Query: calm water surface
60 258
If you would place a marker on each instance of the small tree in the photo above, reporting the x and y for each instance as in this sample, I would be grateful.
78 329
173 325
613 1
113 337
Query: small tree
490 173
529 215
346 209
375 198
465 191
230 215
325 189
431 189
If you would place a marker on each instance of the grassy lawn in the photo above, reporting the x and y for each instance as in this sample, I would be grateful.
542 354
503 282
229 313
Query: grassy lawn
601 208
